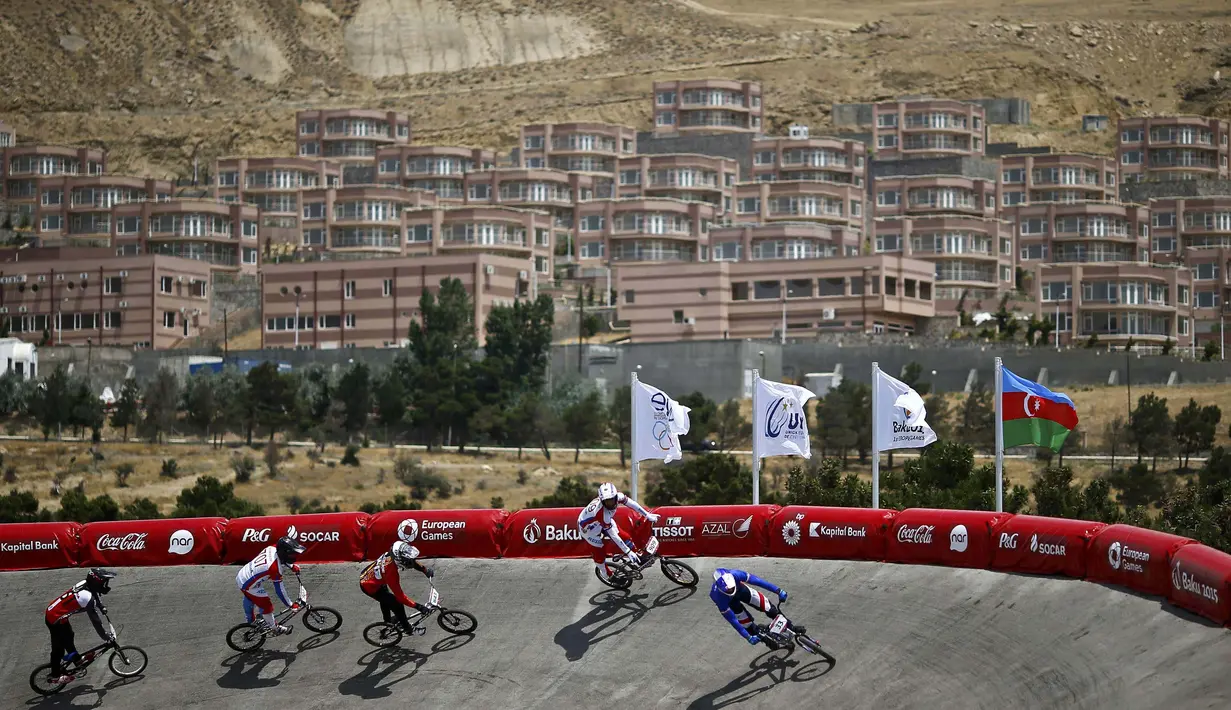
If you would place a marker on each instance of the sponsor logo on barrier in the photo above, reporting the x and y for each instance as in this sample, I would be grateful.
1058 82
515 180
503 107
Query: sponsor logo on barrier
1122 556
959 539
1008 541
131 541
920 535
738 528
822 530
410 529
32 546
532 533
308 536
182 542
673 529
1184 581
1049 545
251 535
790 530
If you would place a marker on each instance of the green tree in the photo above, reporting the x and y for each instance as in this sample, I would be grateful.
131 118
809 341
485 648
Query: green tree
390 404
87 412
844 420
1150 428
22 507
912 376
823 483
355 392
571 492
944 476
1195 427
701 419
708 479
271 399
125 412
209 497
15 394
1114 434
141 509
52 403
439 365
161 403
1137 486
201 407
977 419
731 429
619 418
584 421
77 506
939 416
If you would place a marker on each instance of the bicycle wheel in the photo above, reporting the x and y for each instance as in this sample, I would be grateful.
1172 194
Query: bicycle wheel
678 572
40 681
616 581
457 622
322 619
128 661
245 637
382 634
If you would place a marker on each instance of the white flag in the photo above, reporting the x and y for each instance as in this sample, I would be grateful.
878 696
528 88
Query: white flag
780 423
900 423
659 422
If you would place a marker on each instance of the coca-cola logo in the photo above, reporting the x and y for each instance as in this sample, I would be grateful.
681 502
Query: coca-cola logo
129 542
919 535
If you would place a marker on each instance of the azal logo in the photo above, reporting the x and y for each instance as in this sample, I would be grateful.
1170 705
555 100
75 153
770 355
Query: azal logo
738 528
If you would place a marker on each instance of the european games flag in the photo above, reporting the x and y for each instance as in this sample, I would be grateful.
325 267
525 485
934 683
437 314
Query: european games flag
1033 414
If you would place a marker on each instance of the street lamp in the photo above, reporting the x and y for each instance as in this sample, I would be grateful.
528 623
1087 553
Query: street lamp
863 292
298 294
762 354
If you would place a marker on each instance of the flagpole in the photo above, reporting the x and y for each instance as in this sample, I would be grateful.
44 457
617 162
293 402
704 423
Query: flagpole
876 451
756 451
999 439
632 435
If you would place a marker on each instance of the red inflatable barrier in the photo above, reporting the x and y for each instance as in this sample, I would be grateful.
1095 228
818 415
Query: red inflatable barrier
328 537
38 545
956 538
1041 545
1201 581
1133 557
552 532
152 543
830 533
714 530
439 533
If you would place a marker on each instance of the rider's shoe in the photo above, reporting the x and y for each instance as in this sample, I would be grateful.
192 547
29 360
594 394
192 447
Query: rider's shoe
418 631
89 656
61 680
799 629
281 630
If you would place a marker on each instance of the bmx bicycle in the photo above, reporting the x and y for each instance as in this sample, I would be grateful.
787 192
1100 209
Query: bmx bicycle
781 633
251 635
125 661
385 634
623 572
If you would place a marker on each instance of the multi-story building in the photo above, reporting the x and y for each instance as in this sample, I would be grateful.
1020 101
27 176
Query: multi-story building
928 127
227 237
972 256
1117 302
920 195
755 299
77 209
77 295
1057 177
801 158
8 136
553 191
24 169
642 229
1081 232
783 240
680 176
503 231
349 137
276 186
707 106
801 201
1179 224
358 222
578 147
361 304
438 168
1173 148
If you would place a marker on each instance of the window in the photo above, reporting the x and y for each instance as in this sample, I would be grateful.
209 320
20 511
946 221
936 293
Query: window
1183 295
1057 291
767 289
112 286
666 98
314 210
888 141
888 242
891 285
591 223
350 320
1064 325
1183 326
1031 252
250 255
348 289
592 250
885 198
630 296
739 291
310 148
1164 219
168 319
1033 226
1131 157
1207 299
677 316
51 223
887 120
665 118
314 237
542 264
1013 175
307 128
764 157
533 143
387 289
831 287
1164 244
1206 272
164 284
111 320
799 288
1132 135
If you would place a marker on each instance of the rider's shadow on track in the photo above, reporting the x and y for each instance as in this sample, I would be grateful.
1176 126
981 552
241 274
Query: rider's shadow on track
69 697
247 671
614 612
374 680
776 667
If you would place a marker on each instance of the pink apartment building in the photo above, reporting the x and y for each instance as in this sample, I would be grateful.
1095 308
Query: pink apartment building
1173 148
928 127
707 106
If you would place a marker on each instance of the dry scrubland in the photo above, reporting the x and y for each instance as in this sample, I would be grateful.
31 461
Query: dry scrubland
225 77
479 476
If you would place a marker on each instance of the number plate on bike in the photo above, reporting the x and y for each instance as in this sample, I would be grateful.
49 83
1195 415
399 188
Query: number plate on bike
433 598
651 547
778 625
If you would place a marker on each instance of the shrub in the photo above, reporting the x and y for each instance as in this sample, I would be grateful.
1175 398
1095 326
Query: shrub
497 502
170 469
522 476
482 484
272 459
122 472
422 481
10 474
294 504
244 466
351 457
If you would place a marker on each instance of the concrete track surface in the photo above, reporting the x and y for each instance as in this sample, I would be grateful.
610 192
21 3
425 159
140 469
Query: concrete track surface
550 636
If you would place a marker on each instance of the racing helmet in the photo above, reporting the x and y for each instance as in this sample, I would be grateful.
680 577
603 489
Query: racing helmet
98 580
609 495
403 553
725 582
289 549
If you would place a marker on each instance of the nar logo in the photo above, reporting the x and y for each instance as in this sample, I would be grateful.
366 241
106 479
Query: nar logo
182 542
959 539
736 528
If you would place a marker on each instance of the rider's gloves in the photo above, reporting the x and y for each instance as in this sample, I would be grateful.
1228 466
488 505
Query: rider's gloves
295 607
295 569
110 638
781 595
652 517
754 640
430 572
634 558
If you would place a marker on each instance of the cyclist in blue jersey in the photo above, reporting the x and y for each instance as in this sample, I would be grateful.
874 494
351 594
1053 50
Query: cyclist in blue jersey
732 595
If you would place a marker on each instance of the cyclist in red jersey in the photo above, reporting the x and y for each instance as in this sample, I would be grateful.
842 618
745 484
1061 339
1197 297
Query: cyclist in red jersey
380 581
85 596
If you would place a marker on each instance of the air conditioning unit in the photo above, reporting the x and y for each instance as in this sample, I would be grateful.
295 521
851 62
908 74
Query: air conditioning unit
123 274
59 277
84 276
181 279
183 309
21 309
828 314
522 275
196 311
123 304
489 269
42 277
4 309
798 131
690 321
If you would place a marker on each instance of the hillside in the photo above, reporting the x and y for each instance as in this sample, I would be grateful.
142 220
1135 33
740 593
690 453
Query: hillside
161 81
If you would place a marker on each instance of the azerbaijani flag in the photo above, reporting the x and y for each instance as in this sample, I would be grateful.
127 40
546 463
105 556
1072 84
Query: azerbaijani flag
1033 414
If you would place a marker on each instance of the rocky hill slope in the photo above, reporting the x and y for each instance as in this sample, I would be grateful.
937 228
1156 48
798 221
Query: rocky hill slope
159 82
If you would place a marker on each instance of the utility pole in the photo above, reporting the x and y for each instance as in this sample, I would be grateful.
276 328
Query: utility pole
225 352
581 323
